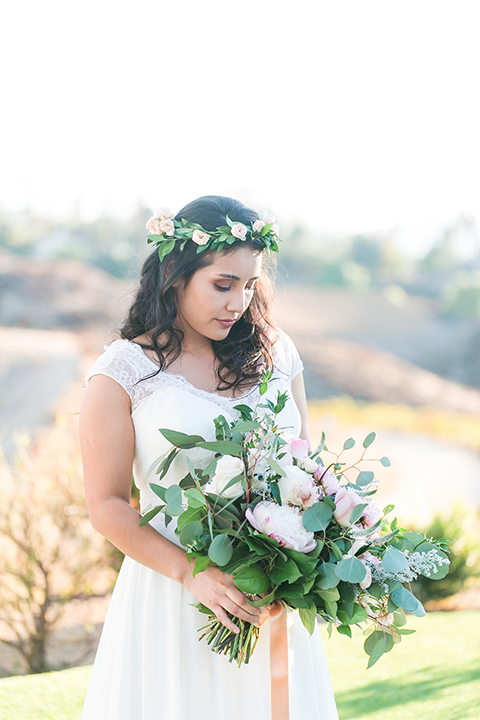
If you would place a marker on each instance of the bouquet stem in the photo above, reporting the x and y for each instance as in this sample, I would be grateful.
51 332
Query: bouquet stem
237 647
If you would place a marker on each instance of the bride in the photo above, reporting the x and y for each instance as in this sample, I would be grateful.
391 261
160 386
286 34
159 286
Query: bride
196 341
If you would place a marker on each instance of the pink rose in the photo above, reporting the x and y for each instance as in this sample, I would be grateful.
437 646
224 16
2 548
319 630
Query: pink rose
153 227
199 237
345 501
282 522
266 217
239 231
298 447
328 479
258 225
167 227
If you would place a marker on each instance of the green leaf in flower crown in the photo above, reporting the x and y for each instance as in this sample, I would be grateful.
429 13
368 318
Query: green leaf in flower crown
165 248
369 439
173 498
224 447
327 578
180 439
351 570
317 517
308 616
394 561
364 478
348 444
252 580
220 550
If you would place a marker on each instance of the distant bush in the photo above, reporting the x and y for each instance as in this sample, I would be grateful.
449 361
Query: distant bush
49 552
462 530
461 297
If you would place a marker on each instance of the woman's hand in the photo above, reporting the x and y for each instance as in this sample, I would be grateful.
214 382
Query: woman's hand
217 591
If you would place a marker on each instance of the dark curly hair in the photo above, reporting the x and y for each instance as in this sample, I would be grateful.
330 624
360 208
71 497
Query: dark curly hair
246 352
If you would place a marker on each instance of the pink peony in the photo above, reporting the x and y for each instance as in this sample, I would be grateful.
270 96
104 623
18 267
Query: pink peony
282 522
298 447
297 487
345 501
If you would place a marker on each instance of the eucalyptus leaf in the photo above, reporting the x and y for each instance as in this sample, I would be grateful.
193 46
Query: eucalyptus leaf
173 498
180 439
149 515
220 550
365 477
277 469
405 599
351 570
357 513
328 578
394 561
385 461
317 517
224 447
348 444
195 498
190 532
369 439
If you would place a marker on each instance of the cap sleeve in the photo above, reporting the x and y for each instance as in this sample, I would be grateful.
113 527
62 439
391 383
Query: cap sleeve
122 362
287 358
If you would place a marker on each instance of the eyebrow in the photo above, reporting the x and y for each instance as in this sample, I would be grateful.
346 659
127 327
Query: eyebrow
235 277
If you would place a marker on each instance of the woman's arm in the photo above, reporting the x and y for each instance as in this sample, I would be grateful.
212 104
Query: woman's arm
298 392
107 441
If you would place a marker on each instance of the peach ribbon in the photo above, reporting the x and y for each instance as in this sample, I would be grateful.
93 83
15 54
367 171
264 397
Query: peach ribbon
279 661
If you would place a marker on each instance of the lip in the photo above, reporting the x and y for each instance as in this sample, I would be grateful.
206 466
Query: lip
226 323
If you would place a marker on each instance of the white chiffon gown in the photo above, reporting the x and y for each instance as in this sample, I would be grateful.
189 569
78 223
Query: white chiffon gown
150 664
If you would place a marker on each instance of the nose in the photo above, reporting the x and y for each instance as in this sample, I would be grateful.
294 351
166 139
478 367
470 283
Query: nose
238 301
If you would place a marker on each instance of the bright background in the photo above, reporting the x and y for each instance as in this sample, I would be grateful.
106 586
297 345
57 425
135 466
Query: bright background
345 116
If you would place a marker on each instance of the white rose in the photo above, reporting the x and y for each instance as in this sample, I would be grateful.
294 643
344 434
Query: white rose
275 229
167 227
282 522
163 213
308 465
258 225
228 467
201 238
239 231
297 487
153 227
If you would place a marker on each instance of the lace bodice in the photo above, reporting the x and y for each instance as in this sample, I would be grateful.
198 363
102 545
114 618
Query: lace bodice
171 401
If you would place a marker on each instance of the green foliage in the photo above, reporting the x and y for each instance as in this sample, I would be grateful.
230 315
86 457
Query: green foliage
462 528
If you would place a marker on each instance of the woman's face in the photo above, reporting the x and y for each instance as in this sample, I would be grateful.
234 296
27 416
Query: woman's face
218 295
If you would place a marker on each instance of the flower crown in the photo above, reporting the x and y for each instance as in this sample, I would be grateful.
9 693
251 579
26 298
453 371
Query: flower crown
164 231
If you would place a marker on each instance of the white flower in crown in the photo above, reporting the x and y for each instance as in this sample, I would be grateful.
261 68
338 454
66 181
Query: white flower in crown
199 237
258 225
239 231
275 229
163 213
167 227
153 226
266 217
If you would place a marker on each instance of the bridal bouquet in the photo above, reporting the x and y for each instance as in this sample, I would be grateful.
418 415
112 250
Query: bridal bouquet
297 527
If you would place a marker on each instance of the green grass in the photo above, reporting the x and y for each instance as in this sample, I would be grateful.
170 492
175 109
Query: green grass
432 675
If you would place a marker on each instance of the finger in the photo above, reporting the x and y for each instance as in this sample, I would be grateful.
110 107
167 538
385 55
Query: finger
239 612
241 601
225 620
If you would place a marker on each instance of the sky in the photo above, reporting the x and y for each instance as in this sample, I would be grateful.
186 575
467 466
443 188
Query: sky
346 116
